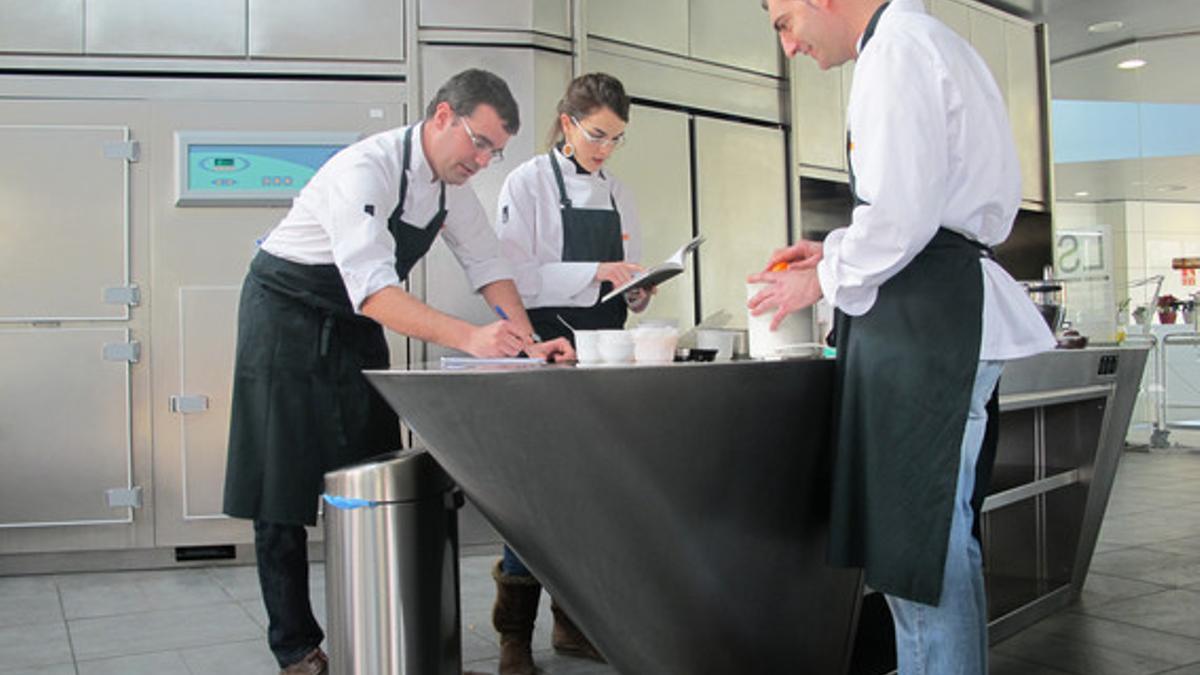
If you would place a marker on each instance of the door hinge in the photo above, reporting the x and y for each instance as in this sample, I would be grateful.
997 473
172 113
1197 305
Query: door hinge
123 351
124 497
188 403
129 295
126 150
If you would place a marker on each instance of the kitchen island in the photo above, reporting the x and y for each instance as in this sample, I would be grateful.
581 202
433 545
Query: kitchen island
679 512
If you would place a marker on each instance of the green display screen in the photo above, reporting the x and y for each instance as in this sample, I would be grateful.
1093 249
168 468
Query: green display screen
235 169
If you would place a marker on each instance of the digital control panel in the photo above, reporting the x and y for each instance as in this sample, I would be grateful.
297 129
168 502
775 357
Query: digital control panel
248 168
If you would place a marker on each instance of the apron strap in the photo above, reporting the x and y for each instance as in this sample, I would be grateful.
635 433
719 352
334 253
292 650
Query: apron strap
404 176
563 200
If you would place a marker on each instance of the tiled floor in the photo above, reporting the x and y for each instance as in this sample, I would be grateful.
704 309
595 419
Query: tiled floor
1140 610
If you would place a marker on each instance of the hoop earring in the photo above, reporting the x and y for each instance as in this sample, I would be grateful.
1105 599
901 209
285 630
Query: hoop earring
568 150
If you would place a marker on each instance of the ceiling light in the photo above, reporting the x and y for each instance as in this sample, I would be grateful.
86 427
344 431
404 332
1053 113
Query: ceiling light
1105 27
1082 193
1131 64
1171 188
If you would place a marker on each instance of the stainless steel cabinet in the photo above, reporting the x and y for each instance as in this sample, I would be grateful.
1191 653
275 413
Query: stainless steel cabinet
735 34
741 202
166 27
311 29
654 165
988 38
954 15
819 99
1025 108
46 26
662 24
545 16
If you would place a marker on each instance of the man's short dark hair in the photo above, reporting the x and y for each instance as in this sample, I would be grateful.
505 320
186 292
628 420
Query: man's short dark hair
472 87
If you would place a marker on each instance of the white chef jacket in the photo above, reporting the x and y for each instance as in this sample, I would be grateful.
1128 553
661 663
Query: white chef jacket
329 221
529 224
931 146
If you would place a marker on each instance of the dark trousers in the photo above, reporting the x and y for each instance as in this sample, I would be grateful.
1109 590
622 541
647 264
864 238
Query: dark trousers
282 552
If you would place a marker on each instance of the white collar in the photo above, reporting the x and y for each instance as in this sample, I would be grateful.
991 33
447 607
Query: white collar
567 164
419 164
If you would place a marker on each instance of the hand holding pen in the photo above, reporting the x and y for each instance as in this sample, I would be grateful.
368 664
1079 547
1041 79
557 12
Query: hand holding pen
558 349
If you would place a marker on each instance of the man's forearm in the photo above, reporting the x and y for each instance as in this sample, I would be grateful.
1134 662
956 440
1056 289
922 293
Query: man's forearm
399 311
503 294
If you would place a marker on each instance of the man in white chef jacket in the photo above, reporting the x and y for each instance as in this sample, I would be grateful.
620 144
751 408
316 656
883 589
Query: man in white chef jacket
925 317
325 283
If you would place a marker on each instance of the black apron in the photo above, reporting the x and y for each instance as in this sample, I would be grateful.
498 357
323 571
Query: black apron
301 406
904 376
589 235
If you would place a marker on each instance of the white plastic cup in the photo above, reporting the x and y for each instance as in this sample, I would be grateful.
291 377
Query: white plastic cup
792 333
587 346
655 344
616 346
721 340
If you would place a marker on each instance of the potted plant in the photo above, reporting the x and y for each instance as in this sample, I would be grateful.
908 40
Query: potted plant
1166 309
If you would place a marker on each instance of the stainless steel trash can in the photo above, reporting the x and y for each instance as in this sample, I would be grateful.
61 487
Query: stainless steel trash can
391 567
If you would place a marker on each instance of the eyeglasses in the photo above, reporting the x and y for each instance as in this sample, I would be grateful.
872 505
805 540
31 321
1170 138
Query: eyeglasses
482 144
602 141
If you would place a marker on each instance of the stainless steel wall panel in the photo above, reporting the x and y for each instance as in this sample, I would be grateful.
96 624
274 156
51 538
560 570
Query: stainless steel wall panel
742 209
654 164
65 213
737 34
690 83
66 421
166 27
954 15
988 38
661 25
1025 107
819 114
312 29
42 27
545 16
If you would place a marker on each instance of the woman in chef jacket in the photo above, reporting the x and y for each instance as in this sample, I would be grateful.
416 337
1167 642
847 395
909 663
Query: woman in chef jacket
571 232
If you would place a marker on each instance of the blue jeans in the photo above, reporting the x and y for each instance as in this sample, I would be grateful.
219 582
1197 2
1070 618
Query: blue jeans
282 551
511 565
951 638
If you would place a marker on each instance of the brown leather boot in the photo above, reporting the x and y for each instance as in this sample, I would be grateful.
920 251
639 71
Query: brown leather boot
513 616
568 640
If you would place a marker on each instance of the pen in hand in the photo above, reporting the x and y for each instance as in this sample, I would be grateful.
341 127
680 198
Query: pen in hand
504 315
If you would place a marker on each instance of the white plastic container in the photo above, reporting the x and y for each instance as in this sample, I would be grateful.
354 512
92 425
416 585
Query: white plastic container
616 346
587 346
793 337
655 344
723 341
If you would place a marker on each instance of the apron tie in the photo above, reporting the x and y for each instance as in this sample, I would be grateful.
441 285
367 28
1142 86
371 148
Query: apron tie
326 334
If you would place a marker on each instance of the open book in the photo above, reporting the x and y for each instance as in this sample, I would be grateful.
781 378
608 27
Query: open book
659 273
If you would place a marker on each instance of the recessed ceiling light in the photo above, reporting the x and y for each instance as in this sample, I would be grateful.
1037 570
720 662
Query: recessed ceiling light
1131 64
1082 193
1171 188
1105 27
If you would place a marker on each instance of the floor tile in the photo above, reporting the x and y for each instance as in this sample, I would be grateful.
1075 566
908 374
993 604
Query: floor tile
1100 589
159 663
1135 562
238 658
161 630
58 669
110 594
1118 635
1172 611
1077 657
29 600
1000 664
29 645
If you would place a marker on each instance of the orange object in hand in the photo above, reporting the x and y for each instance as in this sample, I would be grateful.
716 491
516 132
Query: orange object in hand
779 267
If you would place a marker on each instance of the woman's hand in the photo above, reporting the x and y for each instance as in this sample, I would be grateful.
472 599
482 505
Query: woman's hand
617 273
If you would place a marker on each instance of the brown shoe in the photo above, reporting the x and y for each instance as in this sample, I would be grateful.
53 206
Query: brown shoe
568 640
513 616
314 663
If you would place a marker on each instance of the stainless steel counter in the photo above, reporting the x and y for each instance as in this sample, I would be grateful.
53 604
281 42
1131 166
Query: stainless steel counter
679 512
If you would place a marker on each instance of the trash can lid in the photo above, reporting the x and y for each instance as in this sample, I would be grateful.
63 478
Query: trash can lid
401 476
